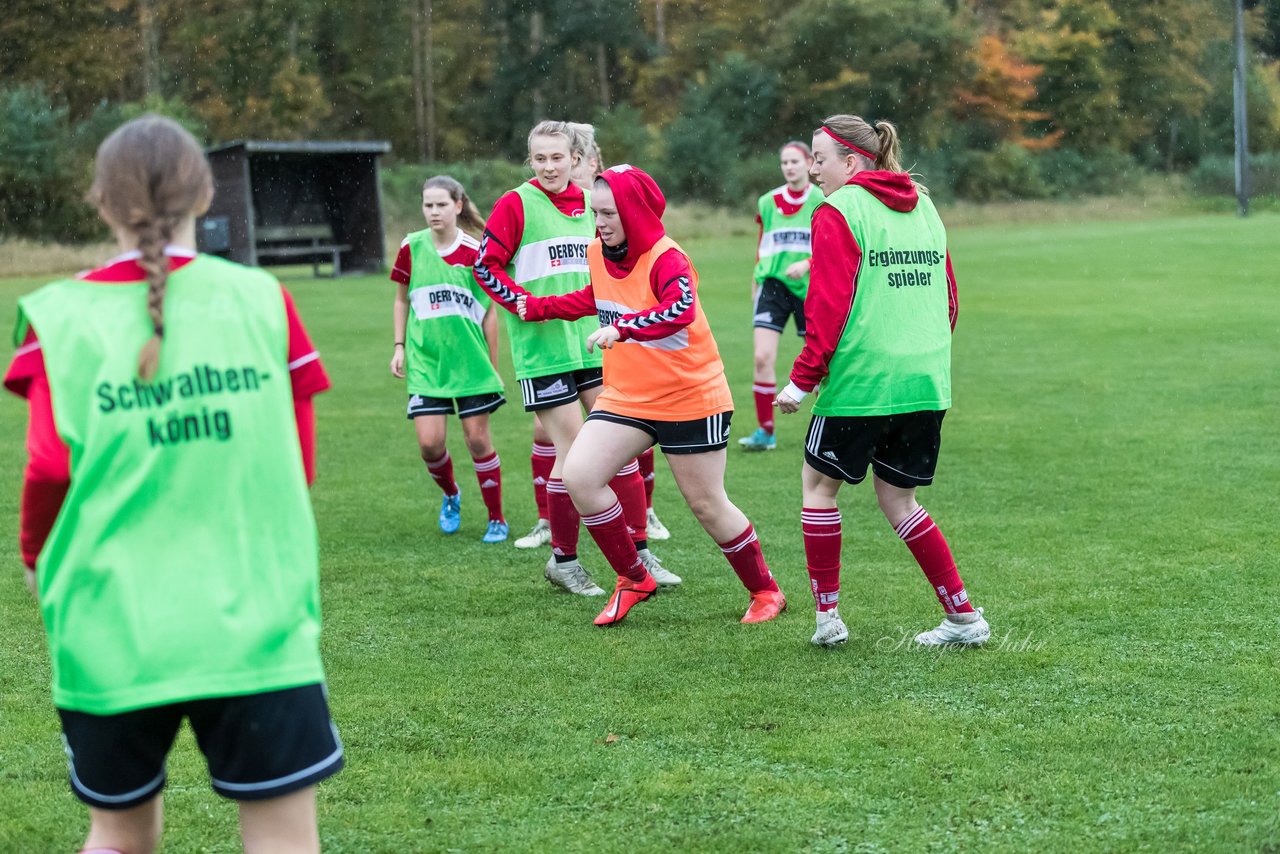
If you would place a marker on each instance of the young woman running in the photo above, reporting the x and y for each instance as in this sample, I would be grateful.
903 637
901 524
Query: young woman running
535 242
543 453
446 344
166 516
882 307
664 384
584 175
781 279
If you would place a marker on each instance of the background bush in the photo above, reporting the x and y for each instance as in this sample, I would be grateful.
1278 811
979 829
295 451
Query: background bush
1216 175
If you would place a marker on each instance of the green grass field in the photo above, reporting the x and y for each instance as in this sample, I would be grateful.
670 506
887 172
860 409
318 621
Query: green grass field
1108 484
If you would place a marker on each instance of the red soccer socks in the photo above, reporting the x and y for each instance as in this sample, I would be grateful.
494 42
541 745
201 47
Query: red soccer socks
931 551
764 396
541 460
822 555
489 476
441 471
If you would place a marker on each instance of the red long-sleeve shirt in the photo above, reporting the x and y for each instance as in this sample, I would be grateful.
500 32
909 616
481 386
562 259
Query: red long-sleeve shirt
640 205
833 277
671 281
47 475
503 232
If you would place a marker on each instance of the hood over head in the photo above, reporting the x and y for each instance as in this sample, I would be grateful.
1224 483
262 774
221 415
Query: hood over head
640 206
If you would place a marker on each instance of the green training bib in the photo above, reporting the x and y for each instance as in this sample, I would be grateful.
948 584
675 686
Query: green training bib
551 260
895 354
784 240
446 354
183 563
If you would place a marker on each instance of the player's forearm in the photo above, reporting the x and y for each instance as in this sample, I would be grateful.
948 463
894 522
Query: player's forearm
490 327
400 314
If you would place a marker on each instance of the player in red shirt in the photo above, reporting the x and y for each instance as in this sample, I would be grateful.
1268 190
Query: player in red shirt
151 180
664 384
584 175
553 157
444 204
853 160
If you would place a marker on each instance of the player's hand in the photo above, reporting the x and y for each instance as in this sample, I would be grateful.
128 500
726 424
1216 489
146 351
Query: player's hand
522 307
785 404
31 581
604 338
397 362
798 270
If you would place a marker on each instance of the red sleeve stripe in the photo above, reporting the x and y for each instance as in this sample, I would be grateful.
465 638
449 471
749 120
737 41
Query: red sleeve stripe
26 348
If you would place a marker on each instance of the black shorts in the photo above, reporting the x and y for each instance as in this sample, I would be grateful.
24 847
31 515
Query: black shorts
901 449
468 407
678 437
774 304
257 746
558 389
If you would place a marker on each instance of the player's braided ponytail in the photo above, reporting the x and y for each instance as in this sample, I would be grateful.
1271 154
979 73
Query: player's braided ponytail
150 175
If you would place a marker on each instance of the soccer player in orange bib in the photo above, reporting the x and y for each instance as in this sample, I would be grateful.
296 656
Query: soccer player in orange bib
664 384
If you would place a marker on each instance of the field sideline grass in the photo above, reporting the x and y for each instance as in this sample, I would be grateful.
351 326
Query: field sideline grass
1107 481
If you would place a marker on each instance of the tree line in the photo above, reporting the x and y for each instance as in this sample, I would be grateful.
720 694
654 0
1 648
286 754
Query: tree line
994 98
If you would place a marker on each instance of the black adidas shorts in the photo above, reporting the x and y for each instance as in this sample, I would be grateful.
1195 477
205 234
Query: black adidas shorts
468 407
678 437
774 304
257 746
902 449
558 389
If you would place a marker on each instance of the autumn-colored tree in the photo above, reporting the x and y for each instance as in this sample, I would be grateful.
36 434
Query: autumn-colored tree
996 99
1077 86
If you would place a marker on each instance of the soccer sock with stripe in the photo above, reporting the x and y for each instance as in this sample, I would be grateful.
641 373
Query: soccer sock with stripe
645 461
931 551
764 395
822 555
489 475
628 485
744 555
609 530
441 471
563 517
542 458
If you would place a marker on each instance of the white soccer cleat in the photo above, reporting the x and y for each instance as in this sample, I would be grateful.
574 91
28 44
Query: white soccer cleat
953 633
831 629
655 528
663 576
539 536
572 577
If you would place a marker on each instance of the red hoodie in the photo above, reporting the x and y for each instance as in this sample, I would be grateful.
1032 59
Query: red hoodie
640 206
833 277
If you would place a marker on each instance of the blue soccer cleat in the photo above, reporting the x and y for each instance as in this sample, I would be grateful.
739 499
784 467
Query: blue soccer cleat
496 532
451 513
761 440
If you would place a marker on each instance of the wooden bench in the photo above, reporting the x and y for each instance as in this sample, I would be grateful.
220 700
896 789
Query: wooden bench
300 241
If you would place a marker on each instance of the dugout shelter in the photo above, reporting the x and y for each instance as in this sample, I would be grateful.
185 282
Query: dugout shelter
296 202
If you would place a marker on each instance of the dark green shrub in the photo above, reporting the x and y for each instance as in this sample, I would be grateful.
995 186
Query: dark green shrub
1005 173
1068 172
1216 175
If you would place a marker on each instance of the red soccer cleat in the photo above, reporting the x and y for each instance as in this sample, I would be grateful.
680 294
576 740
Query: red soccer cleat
626 595
766 605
